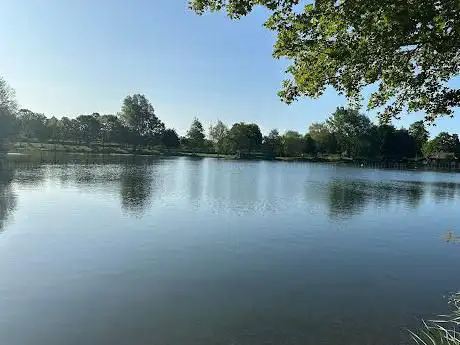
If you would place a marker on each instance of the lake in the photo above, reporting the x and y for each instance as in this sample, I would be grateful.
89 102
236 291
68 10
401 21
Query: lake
205 251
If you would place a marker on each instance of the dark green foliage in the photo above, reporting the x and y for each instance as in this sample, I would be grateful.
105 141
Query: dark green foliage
88 128
7 113
272 145
393 143
351 130
32 125
245 138
383 139
409 49
68 129
444 145
309 145
218 135
112 129
170 139
293 144
405 145
418 131
139 116
325 140
195 135
352 134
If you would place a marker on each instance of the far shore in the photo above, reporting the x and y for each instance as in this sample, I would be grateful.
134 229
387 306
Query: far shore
48 152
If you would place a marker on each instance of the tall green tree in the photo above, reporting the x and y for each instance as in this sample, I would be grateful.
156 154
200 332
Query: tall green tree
67 129
139 116
255 137
351 130
8 107
195 135
323 137
53 128
309 145
245 137
218 134
111 129
384 141
32 125
444 145
89 128
170 139
272 144
293 144
405 144
408 48
418 131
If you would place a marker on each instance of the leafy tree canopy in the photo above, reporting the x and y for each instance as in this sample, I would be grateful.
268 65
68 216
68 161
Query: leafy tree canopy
407 49
138 113
112 129
442 146
195 134
418 131
89 127
272 145
218 135
309 145
350 129
324 138
33 125
293 143
8 108
170 138
245 137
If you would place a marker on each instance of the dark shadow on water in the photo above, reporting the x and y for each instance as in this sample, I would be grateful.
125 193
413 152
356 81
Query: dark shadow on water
345 199
136 189
132 176
442 191
7 196
348 198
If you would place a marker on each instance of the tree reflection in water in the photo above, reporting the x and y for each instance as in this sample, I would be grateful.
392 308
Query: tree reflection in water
347 198
136 188
7 196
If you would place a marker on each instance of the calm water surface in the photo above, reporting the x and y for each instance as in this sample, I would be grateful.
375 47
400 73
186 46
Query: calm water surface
183 251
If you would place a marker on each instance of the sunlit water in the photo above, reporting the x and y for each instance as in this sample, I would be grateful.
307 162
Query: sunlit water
202 251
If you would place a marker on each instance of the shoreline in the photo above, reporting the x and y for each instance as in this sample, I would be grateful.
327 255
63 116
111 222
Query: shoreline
46 154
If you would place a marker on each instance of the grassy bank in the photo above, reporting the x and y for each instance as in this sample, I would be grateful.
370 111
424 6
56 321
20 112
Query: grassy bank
33 148
116 149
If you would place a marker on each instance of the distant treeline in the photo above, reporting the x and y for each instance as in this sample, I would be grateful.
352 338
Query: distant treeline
346 133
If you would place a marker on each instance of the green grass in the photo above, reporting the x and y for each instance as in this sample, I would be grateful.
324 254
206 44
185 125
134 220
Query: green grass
444 330
31 147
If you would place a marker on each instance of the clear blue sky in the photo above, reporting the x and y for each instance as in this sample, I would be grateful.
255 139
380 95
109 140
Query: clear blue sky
66 58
